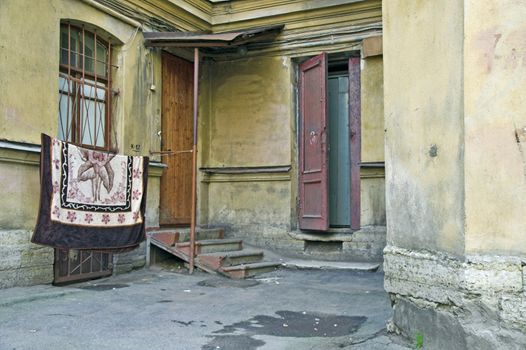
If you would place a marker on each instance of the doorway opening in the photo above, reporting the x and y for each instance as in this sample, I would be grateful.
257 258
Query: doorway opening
339 161
329 142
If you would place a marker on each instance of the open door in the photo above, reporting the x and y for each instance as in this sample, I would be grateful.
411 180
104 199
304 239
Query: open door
314 212
177 131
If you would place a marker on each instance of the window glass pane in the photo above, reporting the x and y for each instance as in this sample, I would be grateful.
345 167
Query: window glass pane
101 124
64 122
101 91
74 42
102 52
89 90
87 119
88 52
63 45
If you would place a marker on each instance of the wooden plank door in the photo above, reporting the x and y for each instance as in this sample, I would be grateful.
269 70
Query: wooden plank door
177 136
314 207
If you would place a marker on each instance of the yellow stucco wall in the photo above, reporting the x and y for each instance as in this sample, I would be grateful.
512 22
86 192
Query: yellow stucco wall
21 187
495 118
372 81
250 120
423 113
29 33
29 66
250 112
372 201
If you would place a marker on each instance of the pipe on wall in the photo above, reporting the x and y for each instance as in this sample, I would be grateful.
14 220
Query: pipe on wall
113 13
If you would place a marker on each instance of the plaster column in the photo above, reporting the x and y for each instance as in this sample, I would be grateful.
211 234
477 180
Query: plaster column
456 171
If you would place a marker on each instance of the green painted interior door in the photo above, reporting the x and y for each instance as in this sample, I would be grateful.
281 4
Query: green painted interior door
339 164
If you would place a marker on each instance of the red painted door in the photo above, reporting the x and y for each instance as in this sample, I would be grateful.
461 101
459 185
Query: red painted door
314 209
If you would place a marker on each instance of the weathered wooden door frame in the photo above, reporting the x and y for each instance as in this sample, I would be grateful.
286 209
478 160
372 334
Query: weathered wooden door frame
355 134
354 72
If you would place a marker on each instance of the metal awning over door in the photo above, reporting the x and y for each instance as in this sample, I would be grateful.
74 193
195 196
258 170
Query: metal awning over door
197 40
209 40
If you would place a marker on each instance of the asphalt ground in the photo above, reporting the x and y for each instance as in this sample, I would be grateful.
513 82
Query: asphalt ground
170 309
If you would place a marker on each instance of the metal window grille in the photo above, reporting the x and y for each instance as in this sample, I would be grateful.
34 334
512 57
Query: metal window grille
84 87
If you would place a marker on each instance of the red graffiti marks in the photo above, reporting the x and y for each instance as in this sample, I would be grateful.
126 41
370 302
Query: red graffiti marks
486 43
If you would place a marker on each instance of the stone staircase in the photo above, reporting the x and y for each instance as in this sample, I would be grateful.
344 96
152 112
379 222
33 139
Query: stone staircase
213 252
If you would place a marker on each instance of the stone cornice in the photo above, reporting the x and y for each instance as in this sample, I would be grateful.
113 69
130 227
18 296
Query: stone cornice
228 13
204 15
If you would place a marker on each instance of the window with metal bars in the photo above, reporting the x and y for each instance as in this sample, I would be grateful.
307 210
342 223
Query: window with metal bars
84 87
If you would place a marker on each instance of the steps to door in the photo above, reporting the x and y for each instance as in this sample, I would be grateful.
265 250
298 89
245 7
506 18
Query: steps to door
213 252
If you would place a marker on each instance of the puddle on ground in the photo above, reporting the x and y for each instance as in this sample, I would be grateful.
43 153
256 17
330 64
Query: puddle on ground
102 287
285 324
228 283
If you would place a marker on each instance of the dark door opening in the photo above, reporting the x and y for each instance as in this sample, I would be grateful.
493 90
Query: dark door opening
339 159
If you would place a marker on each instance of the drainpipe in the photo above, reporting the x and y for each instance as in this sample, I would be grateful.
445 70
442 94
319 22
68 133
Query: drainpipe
113 13
194 163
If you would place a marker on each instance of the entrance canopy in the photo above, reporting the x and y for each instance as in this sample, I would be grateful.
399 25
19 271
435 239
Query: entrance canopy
200 39
210 41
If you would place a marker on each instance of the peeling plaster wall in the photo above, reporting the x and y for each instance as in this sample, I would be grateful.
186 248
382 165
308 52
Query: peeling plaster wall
454 264
248 124
423 108
373 109
29 67
251 112
495 122
249 119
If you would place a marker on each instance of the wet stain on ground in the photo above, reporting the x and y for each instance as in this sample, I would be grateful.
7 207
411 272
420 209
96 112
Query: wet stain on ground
183 323
103 287
228 283
239 342
285 324
165 301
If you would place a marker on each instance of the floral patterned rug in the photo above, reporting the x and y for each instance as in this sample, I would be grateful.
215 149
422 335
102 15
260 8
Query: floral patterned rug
90 199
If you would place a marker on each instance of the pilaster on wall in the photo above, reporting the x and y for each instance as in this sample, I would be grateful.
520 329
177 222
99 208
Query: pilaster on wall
455 171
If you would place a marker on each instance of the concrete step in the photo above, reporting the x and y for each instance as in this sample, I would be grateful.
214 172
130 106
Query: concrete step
172 236
224 259
249 270
211 246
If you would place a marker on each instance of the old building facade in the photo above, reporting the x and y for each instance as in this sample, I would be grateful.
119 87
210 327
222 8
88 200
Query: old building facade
251 132
449 128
